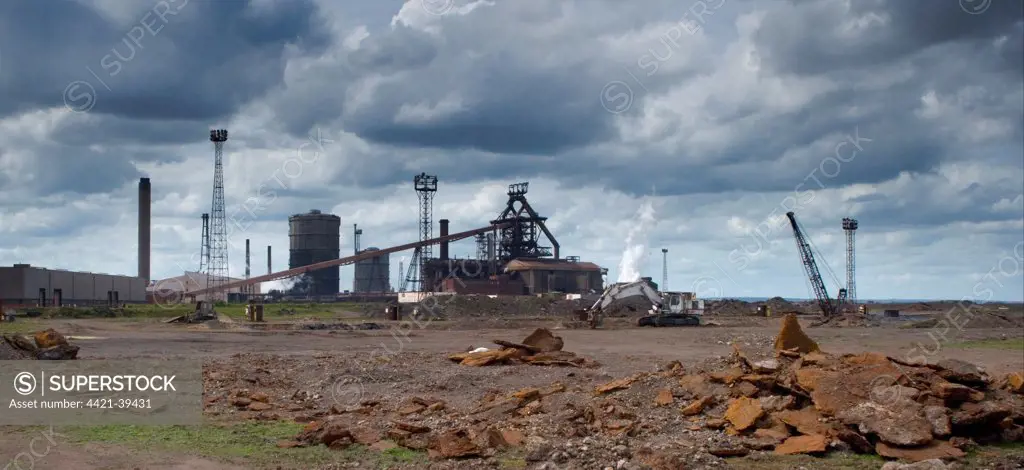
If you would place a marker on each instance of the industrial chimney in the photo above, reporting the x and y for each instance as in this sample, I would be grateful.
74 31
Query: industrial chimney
269 270
444 244
145 201
247 258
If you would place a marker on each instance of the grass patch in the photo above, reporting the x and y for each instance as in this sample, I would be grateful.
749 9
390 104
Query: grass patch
1012 344
834 460
251 443
21 326
296 310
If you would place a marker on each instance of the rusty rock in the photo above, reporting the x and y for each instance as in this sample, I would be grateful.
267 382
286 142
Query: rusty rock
955 393
694 384
259 396
512 437
366 436
333 432
744 389
410 427
802 445
620 384
543 340
664 397
531 408
727 376
241 402
411 408
980 414
697 406
938 416
743 413
777 402
726 452
955 370
805 421
905 427
715 423
49 338
807 377
932 450
858 443
791 336
1015 382
455 444
767 366
866 359
764 382
259 406
817 359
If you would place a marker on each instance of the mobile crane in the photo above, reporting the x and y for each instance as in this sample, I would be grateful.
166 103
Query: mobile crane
667 308
830 308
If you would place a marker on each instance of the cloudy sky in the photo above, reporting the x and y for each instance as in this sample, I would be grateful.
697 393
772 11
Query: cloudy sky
722 114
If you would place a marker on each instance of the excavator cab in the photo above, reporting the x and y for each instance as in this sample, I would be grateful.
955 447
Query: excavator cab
673 303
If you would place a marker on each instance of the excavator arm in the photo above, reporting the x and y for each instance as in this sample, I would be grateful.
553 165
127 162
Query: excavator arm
616 292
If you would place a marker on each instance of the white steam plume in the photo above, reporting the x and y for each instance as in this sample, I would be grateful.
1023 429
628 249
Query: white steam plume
636 243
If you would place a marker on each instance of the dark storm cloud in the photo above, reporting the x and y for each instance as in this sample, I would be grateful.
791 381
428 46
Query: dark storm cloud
814 37
513 116
181 60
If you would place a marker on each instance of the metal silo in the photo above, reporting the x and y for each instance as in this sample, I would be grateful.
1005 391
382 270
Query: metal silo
315 237
371 275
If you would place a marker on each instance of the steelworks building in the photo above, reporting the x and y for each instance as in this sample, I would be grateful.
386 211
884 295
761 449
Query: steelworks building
23 284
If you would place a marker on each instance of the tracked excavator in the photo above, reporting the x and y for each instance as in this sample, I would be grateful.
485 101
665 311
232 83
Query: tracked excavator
667 308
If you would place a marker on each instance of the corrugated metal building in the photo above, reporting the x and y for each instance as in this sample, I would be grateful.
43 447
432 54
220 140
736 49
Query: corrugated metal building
171 289
23 284
547 275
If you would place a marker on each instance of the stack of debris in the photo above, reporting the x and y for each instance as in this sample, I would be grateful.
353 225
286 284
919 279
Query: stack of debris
541 348
806 401
44 345
799 401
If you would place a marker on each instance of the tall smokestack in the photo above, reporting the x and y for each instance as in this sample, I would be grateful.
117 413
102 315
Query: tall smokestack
269 269
247 258
145 201
444 244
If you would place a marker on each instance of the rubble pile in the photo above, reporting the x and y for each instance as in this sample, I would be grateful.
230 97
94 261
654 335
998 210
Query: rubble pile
541 348
799 400
44 345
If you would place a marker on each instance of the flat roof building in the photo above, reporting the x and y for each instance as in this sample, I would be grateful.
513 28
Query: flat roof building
547 275
24 284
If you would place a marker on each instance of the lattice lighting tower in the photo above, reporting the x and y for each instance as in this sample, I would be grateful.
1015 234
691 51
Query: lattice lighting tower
426 187
218 268
850 227
664 269
204 247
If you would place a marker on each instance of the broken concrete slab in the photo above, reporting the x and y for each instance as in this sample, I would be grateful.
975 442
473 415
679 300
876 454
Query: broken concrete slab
802 445
901 424
932 450
743 413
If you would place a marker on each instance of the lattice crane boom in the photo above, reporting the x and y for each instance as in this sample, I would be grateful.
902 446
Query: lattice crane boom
828 307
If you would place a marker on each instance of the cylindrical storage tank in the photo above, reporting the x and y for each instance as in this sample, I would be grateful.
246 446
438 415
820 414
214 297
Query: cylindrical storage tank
371 275
316 237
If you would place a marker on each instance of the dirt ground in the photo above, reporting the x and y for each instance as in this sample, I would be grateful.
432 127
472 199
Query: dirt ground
332 365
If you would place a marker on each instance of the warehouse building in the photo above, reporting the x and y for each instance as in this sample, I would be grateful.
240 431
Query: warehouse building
548 275
23 284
